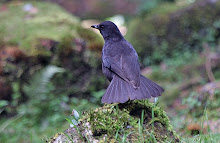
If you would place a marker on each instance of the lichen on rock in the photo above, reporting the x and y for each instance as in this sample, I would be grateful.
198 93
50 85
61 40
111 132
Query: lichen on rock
133 121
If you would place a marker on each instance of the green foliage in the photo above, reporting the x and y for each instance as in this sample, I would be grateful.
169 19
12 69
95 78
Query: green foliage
161 34
192 100
96 96
84 104
147 6
75 118
21 129
174 67
41 101
204 137
44 108
47 97
16 94
195 104
24 29
171 75
184 80
3 103
38 85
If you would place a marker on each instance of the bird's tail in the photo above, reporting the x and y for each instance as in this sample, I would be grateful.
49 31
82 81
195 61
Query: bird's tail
120 91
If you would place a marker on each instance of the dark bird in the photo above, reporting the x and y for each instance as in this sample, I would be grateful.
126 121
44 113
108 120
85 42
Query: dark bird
121 66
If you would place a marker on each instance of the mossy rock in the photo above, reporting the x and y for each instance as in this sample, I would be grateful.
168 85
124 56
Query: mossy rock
133 121
26 30
49 36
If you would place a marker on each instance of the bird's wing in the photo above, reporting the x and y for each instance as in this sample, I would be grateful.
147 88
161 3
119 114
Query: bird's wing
107 72
124 64
131 69
114 67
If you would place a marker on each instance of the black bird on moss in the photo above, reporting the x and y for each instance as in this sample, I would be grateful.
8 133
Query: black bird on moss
121 66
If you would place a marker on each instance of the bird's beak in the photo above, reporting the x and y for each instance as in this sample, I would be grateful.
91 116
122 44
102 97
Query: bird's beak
95 26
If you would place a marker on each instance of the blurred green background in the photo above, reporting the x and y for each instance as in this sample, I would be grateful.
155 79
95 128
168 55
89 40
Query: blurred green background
50 62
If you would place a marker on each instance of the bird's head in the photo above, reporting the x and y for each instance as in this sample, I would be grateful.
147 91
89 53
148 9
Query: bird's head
108 30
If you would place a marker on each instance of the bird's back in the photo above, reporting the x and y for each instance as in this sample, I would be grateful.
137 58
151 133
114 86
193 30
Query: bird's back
121 66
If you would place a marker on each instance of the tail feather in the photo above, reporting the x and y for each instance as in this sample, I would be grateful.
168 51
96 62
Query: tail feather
155 86
123 92
108 92
154 92
130 91
146 86
113 92
120 91
145 90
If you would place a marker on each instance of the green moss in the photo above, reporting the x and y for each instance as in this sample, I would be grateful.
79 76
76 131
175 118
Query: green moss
94 41
65 46
108 121
24 29
133 121
124 119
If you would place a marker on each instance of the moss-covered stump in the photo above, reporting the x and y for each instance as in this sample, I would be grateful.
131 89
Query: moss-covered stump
134 121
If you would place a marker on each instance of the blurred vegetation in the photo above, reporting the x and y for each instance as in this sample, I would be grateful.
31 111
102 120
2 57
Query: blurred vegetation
24 29
31 93
170 30
50 64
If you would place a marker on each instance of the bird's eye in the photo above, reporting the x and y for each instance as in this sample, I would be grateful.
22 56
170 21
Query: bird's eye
101 26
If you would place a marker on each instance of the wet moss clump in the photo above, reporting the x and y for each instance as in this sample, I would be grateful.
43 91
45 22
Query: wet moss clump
109 120
133 121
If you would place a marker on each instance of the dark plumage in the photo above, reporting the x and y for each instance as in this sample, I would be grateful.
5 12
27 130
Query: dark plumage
120 65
